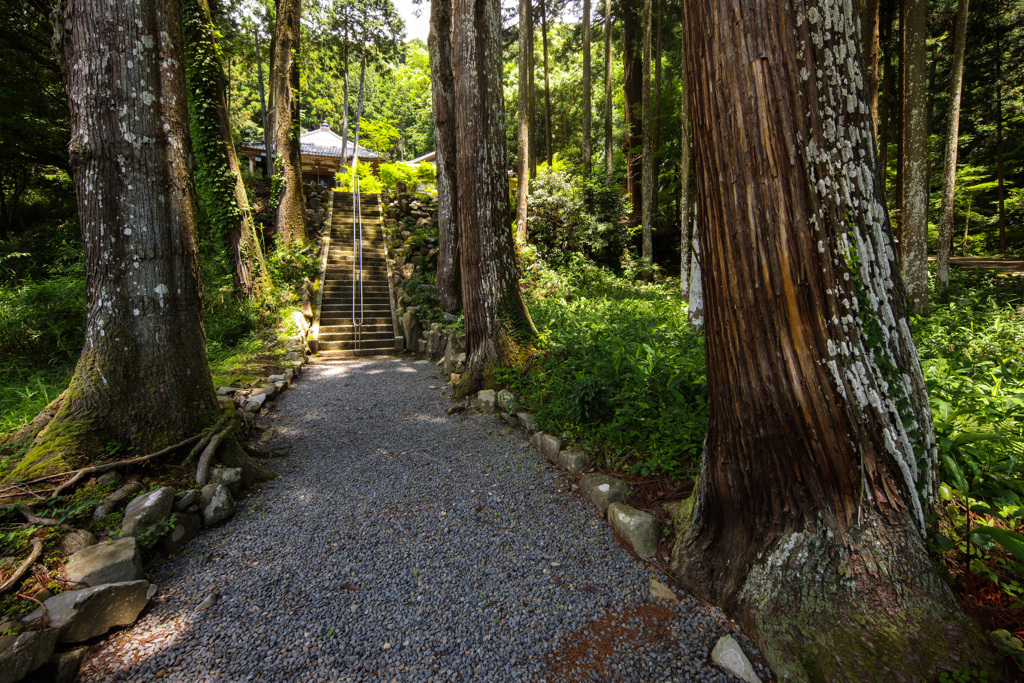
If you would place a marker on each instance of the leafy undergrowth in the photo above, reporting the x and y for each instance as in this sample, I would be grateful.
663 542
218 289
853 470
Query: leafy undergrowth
619 371
971 355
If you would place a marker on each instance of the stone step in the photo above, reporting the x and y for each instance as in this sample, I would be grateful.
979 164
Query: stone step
378 345
346 320
331 337
333 356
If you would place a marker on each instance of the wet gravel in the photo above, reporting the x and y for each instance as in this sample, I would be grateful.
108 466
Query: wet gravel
400 543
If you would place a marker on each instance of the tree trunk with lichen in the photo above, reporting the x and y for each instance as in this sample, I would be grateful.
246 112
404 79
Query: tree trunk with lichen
219 178
807 521
914 220
956 80
142 381
442 84
499 331
284 88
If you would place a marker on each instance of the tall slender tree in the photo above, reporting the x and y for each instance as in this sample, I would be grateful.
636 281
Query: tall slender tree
956 81
220 186
268 137
647 210
587 108
684 163
869 39
142 379
819 468
284 87
548 152
499 331
632 88
525 81
442 79
915 155
609 147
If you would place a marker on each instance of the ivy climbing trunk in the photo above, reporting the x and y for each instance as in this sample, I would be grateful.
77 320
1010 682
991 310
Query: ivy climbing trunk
142 380
442 85
218 177
609 147
809 511
956 81
523 156
499 331
284 88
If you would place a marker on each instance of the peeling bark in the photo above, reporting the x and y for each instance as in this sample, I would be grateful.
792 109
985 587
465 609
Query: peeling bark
807 521
442 84
499 330
284 89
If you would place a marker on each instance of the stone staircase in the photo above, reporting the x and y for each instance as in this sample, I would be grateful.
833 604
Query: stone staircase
338 337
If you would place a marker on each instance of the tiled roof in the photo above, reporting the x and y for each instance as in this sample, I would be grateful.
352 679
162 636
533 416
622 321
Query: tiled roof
323 142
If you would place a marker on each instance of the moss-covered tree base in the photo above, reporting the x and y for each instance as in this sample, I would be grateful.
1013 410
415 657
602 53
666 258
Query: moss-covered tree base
866 604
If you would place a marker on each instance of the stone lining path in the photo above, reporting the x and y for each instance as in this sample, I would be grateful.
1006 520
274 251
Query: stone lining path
403 544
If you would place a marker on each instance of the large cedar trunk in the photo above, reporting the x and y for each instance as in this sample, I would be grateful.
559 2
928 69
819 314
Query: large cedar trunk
499 331
142 380
956 80
587 98
442 83
219 178
525 82
915 156
632 87
808 517
888 83
284 89
609 148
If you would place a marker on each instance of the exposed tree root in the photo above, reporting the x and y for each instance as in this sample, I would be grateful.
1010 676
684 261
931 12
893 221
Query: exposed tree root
95 469
206 459
37 550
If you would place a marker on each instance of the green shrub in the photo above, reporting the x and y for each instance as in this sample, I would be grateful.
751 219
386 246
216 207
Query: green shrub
392 173
619 371
560 224
368 183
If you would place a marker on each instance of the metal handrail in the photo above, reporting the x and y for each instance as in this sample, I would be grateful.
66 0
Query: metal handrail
357 265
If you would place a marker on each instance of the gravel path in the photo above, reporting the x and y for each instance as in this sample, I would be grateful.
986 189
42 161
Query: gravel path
403 544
